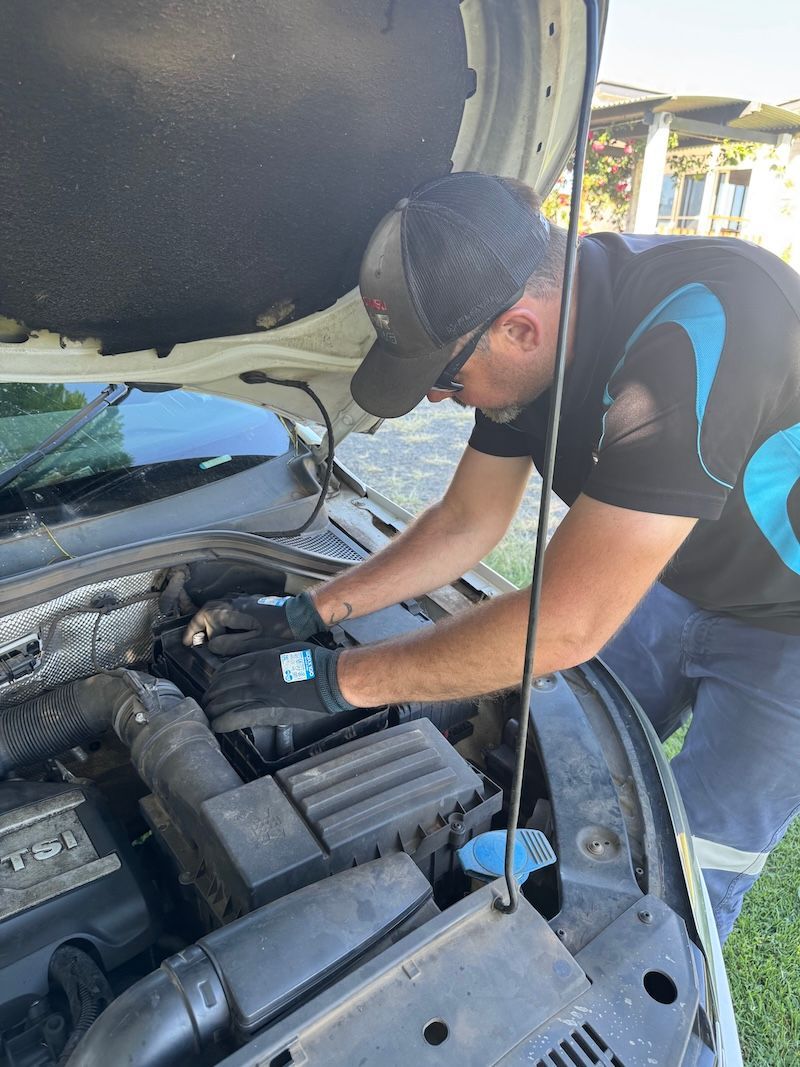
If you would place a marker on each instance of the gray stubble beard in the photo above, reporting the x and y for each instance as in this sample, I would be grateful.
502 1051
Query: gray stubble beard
501 416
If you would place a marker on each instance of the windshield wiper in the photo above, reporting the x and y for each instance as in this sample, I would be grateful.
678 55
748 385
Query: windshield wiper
112 394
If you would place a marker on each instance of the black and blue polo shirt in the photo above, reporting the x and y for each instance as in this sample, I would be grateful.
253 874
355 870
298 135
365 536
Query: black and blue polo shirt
683 398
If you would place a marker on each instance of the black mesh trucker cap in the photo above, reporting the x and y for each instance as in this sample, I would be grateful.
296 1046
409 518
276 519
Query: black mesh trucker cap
447 259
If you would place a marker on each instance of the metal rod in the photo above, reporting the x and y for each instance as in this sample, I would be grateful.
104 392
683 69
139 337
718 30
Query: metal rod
584 119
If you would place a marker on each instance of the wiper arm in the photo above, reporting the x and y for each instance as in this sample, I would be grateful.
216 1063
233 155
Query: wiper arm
112 394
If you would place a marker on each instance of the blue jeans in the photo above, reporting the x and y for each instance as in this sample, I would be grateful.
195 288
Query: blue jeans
739 769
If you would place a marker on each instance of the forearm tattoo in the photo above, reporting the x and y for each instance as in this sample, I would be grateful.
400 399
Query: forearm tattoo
339 615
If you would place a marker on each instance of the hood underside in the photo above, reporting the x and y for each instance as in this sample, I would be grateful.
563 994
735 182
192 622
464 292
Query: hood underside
185 195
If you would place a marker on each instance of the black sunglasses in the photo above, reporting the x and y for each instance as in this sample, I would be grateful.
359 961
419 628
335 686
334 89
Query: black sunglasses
446 382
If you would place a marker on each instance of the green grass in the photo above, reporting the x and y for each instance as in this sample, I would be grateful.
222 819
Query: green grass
762 956
513 558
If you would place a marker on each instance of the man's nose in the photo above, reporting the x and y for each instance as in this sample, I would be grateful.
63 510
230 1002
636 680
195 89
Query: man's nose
435 396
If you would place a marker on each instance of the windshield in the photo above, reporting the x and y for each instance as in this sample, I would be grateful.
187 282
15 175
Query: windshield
153 445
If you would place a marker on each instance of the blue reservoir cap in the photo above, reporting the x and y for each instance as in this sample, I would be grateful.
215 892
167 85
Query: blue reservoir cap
484 856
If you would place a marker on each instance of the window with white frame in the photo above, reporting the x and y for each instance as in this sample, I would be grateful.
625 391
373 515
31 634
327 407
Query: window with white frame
681 199
730 197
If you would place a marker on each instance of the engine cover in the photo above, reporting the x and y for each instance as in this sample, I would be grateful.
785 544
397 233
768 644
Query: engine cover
67 873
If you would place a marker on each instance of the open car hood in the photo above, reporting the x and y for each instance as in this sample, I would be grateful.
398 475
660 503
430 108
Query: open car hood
185 196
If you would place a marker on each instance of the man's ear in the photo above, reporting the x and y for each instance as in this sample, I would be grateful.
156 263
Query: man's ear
521 327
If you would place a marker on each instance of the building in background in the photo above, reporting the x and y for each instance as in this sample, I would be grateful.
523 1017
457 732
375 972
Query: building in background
701 165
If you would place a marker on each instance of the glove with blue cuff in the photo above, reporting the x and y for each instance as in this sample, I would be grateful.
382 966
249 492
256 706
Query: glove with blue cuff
251 623
297 676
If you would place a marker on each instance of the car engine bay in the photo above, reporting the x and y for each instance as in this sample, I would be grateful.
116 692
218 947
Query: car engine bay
226 878
237 824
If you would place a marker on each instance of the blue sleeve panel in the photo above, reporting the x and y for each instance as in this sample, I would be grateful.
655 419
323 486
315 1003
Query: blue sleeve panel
769 478
700 313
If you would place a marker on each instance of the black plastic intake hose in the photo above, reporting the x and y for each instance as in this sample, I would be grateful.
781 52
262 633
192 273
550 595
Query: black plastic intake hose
172 748
167 1018
171 745
236 980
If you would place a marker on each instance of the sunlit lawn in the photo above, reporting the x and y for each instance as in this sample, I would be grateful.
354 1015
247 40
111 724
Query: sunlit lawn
763 960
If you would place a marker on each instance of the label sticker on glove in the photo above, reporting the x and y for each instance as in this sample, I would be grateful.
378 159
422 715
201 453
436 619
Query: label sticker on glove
297 666
273 601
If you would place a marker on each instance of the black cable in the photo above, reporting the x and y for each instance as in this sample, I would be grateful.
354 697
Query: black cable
86 989
258 377
584 119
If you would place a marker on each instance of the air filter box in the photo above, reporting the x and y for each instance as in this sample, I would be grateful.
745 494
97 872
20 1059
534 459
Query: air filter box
403 790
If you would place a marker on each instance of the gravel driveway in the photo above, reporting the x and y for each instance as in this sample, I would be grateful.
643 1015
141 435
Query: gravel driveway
411 460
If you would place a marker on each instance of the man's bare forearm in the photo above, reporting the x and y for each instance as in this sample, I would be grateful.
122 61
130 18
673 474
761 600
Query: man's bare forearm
430 553
478 652
599 564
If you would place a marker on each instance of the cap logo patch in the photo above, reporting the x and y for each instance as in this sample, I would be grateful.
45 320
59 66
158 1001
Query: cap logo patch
383 328
375 305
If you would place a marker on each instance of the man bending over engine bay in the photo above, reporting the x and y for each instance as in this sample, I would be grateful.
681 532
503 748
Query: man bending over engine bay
679 455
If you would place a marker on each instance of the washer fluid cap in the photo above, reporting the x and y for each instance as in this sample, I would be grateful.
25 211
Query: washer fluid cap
484 856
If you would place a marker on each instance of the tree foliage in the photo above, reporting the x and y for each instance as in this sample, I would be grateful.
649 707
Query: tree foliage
611 160
612 157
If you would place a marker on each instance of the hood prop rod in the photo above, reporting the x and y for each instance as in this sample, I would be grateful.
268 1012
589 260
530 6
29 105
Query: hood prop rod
590 76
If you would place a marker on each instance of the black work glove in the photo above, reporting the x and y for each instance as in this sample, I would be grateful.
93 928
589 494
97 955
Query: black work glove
250 623
297 676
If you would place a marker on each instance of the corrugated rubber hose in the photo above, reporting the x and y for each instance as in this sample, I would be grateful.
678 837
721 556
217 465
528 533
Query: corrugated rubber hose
55 721
86 989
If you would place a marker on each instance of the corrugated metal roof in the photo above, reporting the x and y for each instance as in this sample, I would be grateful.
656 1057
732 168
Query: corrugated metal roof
768 117
621 93
740 114
629 110
680 104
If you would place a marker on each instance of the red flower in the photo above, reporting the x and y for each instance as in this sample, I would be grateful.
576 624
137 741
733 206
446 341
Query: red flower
628 149
614 168
598 146
621 187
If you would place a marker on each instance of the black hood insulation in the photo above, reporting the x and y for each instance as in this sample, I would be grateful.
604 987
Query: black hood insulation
170 172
